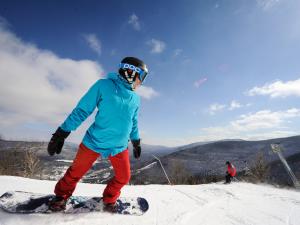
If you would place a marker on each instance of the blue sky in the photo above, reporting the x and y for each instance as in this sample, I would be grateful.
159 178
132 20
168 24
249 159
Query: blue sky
218 69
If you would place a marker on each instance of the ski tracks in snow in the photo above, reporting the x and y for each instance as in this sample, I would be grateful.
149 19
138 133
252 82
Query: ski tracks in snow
193 207
235 204
210 200
207 204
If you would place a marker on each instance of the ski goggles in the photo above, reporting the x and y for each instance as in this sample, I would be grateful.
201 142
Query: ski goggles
142 74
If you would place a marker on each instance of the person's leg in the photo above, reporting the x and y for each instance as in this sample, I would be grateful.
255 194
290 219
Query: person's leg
121 165
227 177
81 164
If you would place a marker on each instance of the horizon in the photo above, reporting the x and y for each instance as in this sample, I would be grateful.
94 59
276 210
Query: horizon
217 69
178 146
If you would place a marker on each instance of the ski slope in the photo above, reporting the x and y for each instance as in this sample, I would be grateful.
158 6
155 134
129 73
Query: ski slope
209 204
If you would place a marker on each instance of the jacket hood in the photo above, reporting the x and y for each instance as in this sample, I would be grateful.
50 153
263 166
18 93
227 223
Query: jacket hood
119 80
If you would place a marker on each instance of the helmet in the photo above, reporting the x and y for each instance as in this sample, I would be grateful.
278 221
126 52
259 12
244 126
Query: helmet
227 163
130 68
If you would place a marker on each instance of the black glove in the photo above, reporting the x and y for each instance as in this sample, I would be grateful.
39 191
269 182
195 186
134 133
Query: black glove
136 148
57 141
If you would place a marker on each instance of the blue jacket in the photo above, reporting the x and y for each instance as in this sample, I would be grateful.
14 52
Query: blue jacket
116 120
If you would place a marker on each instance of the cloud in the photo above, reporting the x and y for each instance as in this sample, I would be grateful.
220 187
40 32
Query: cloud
277 89
135 22
177 52
216 107
199 82
260 125
157 46
93 42
147 92
37 86
267 4
264 119
234 105
4 23
223 133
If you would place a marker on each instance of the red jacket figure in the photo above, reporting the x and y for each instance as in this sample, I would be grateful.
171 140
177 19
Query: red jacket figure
231 172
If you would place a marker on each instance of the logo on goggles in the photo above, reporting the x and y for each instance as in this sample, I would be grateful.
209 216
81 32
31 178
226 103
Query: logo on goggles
141 73
131 67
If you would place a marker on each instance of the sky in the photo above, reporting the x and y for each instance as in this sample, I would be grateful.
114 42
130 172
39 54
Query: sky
223 69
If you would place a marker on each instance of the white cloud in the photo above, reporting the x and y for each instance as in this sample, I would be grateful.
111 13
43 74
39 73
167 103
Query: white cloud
267 4
147 92
234 105
216 107
3 22
135 22
177 52
277 89
227 132
199 82
93 42
264 119
261 125
157 46
37 86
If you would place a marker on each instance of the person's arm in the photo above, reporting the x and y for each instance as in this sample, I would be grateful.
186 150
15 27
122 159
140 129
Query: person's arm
84 108
134 135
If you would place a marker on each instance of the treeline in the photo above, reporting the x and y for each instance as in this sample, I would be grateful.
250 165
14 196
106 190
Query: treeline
21 161
257 171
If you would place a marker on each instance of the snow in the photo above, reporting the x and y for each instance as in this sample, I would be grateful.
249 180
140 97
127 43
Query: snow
209 204
146 167
64 160
71 161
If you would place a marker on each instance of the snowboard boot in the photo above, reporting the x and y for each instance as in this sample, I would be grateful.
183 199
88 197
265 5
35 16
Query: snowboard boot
110 207
57 204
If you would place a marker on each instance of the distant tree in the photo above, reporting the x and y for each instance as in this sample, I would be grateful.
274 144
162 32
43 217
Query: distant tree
179 174
22 160
11 162
259 169
32 164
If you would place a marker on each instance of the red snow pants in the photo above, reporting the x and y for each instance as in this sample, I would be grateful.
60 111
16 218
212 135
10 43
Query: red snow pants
83 162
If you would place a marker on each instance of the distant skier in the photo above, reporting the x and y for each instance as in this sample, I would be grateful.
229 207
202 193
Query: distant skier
230 173
115 123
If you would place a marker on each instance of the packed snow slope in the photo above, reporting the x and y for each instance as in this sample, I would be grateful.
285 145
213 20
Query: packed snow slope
218 204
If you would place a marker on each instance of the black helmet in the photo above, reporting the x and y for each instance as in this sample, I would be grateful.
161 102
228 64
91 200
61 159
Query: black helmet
227 163
131 67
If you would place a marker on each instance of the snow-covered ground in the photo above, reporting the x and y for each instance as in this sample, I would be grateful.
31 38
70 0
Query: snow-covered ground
218 204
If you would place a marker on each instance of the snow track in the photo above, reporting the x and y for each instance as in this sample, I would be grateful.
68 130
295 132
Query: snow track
210 204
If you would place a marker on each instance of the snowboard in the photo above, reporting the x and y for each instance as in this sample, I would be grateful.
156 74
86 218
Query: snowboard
27 202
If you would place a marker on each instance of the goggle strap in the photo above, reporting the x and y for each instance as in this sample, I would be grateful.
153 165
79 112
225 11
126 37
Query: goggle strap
141 73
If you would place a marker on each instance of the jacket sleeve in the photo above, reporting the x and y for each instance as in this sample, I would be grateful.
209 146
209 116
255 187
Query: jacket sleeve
134 135
84 108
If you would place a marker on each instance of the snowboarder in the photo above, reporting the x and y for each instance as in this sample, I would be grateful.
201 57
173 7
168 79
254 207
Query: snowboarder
116 122
230 173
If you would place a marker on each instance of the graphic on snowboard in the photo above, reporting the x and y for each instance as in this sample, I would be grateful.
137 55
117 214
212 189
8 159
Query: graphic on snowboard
26 202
